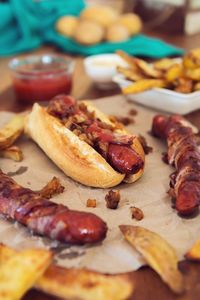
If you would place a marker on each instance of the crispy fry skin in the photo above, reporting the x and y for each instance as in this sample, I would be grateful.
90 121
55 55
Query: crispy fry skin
158 253
77 283
194 252
130 73
20 270
143 85
12 152
84 284
174 72
163 64
12 130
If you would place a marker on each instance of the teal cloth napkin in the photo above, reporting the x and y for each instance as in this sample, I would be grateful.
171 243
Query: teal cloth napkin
26 25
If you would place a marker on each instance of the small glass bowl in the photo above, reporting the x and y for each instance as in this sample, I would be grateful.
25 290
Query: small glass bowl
41 77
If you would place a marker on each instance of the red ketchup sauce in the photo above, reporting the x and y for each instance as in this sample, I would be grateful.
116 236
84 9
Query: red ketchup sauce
42 79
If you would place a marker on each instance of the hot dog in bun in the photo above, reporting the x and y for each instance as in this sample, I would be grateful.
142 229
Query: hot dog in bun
84 143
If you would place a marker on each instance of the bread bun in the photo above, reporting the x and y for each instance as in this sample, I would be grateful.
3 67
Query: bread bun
73 156
88 33
103 15
132 22
117 33
66 25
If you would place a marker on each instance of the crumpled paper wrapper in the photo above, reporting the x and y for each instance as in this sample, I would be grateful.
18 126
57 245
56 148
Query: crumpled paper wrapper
114 254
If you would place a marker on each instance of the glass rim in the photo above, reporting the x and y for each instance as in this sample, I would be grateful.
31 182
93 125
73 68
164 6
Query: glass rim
65 64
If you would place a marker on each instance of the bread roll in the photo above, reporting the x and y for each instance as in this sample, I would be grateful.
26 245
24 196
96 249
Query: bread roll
132 22
117 33
66 25
88 33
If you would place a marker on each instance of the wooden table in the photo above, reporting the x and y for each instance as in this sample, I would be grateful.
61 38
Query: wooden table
148 285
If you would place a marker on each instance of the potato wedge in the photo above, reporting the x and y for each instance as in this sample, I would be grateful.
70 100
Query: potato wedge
147 69
76 283
163 64
143 85
192 59
158 254
130 74
11 131
197 86
194 252
19 272
12 152
174 72
130 60
84 284
193 74
184 85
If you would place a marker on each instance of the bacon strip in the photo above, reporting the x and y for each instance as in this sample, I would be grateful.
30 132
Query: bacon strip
47 218
184 155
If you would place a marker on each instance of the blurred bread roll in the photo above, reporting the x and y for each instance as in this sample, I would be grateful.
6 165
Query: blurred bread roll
66 25
117 33
89 33
132 22
104 15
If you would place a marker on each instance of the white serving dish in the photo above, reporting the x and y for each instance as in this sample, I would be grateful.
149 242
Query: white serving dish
102 67
163 99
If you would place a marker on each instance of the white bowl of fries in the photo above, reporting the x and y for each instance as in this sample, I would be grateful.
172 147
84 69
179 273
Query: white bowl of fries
171 85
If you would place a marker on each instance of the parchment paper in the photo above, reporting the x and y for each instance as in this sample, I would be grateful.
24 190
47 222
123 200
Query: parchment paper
114 254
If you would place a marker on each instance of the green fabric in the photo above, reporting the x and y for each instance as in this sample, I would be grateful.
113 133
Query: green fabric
27 24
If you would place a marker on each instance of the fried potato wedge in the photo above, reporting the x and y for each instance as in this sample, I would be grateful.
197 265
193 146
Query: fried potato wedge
192 59
163 64
52 188
19 272
194 252
130 74
197 86
143 85
84 284
130 60
174 72
12 152
184 85
193 74
69 283
11 131
158 254
147 69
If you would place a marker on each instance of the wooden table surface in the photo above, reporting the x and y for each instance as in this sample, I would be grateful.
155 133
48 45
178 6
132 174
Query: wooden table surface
148 285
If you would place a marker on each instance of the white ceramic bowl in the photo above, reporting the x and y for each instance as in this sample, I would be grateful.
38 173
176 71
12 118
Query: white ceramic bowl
101 69
163 99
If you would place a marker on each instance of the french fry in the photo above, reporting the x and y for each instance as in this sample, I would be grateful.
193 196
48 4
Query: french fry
12 152
192 59
143 85
163 64
174 72
194 252
11 131
84 284
130 60
20 270
184 85
130 74
158 254
193 74
197 86
75 283
53 187
147 69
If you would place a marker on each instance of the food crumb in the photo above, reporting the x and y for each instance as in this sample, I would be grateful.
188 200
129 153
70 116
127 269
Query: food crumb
19 171
123 120
112 199
145 146
91 203
136 213
132 112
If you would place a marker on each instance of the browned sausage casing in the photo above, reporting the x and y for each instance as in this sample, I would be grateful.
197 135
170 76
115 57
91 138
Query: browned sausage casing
47 218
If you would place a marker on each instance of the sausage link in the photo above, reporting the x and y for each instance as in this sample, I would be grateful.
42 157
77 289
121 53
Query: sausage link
47 218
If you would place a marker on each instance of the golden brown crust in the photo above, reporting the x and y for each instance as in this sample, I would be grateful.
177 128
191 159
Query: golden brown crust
73 156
